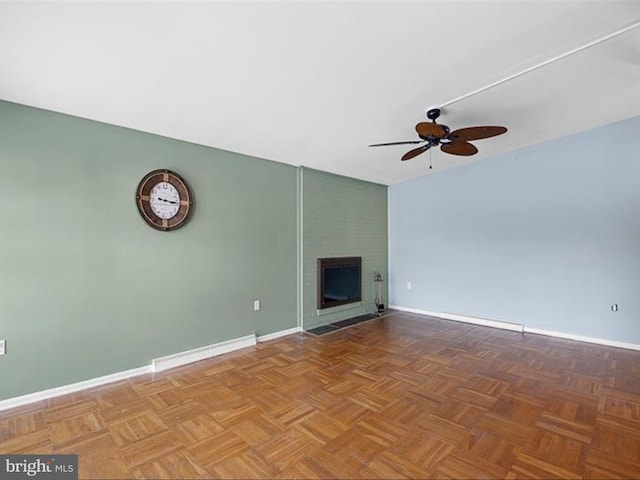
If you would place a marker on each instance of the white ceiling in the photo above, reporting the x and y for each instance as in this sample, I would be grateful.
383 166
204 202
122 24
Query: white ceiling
314 83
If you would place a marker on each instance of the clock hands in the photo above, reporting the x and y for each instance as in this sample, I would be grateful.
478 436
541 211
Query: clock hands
168 201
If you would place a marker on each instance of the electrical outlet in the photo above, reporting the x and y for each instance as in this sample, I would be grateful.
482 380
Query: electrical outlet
2 346
256 305
409 285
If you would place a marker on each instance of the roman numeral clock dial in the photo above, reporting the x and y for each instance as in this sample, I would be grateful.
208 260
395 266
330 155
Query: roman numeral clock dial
164 200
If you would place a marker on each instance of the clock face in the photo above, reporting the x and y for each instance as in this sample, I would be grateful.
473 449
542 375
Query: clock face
164 200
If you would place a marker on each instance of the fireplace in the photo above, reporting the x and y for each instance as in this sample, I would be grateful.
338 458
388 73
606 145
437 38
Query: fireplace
339 281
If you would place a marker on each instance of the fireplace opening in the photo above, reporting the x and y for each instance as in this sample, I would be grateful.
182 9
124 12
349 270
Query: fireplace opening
339 281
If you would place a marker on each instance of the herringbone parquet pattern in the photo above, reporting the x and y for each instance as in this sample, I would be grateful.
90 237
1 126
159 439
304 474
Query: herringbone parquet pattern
396 397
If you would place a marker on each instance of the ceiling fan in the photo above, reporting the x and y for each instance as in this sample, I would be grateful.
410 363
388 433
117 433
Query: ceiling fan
455 143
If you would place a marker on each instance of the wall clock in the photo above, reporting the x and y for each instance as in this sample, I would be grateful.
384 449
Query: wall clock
164 200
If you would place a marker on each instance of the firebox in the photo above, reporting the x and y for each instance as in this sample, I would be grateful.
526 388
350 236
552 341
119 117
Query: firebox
339 281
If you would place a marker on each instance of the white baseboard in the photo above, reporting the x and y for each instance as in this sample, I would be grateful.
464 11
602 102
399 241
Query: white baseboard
281 333
517 327
158 365
580 338
71 388
182 358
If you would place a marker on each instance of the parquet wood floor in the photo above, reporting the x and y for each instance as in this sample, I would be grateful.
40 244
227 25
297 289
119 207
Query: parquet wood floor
403 396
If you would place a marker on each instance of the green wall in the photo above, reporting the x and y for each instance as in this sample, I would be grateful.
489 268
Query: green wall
87 289
341 217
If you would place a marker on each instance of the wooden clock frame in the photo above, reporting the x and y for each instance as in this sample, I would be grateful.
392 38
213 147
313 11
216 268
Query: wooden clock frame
185 208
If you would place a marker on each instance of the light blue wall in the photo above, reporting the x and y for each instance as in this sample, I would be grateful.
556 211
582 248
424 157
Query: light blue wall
548 236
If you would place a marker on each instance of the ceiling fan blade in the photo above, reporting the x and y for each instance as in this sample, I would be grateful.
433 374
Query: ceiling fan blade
396 143
459 148
427 129
415 152
476 133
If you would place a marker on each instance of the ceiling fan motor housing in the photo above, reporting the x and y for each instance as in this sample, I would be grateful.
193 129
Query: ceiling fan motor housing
433 113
